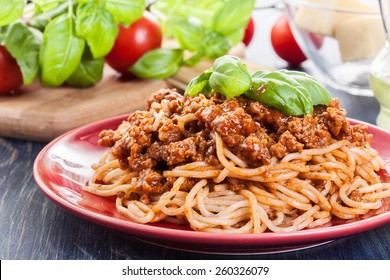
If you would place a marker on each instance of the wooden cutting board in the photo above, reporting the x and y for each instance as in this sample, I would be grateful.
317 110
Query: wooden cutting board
41 114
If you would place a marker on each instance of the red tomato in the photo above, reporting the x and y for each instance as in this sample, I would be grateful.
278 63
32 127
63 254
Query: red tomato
249 31
10 75
284 42
132 42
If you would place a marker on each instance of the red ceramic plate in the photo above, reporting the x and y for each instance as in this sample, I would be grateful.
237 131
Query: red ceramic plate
63 167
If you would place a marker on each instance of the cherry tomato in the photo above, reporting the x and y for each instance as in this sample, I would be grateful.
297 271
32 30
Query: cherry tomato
249 31
10 75
132 42
284 44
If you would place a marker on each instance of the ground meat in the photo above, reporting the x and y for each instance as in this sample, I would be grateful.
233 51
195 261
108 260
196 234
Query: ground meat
108 138
165 94
208 114
287 143
356 196
151 140
180 152
255 150
310 132
237 184
152 181
169 132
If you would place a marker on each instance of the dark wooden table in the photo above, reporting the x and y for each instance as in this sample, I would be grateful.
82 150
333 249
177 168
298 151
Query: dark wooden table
33 227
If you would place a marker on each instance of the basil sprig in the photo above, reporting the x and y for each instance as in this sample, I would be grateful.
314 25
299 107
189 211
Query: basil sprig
202 28
23 43
64 41
11 10
291 92
229 76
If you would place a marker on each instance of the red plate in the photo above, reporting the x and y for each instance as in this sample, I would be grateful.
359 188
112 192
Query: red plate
63 167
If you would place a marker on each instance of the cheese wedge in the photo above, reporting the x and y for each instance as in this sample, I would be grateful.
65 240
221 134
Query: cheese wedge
323 19
360 37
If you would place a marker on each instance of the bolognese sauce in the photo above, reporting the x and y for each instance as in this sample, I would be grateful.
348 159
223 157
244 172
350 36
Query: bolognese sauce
252 131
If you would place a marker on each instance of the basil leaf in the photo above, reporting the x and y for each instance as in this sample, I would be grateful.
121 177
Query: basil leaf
216 45
318 93
279 90
11 10
126 11
226 21
97 26
61 51
44 5
158 64
165 10
199 84
88 72
193 60
41 20
230 76
189 32
291 92
24 43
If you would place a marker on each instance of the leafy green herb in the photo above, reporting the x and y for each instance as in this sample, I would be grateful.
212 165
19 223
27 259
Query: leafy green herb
67 26
233 16
318 93
42 18
200 84
45 5
61 51
167 11
292 92
23 43
88 72
97 26
126 11
158 63
202 28
230 76
189 32
11 10
280 90
215 45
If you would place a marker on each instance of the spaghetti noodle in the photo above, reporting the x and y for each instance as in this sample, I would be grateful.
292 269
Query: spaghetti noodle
236 166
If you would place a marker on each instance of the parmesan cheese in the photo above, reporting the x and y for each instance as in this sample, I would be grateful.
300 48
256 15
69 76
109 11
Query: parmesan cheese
323 19
360 37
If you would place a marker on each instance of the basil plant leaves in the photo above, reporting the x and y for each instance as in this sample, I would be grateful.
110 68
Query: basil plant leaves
291 92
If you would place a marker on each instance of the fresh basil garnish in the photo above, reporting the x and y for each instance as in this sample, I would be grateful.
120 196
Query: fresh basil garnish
318 93
200 84
230 76
279 90
203 28
292 92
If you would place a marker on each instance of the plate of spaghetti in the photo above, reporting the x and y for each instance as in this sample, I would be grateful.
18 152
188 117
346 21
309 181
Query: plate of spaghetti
224 175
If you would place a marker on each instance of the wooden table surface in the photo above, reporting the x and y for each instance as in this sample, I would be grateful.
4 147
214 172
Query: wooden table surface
33 227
